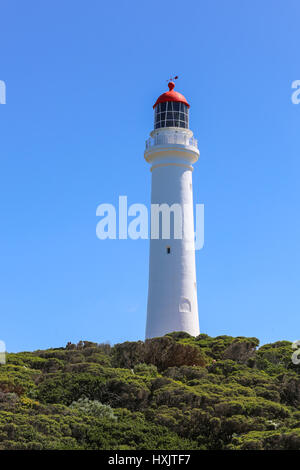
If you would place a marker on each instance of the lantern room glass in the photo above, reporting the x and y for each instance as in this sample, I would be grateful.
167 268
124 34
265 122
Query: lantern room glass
171 114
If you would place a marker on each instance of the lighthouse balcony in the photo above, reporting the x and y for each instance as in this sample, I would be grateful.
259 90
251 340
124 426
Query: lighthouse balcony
176 138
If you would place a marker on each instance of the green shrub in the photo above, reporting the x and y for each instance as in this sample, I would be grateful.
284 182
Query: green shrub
93 407
145 369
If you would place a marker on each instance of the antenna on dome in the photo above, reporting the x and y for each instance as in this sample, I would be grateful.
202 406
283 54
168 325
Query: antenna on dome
172 78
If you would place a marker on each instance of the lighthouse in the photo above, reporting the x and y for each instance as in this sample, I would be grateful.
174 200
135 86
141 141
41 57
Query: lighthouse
171 151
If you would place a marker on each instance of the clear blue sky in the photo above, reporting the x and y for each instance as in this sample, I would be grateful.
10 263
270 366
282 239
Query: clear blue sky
81 80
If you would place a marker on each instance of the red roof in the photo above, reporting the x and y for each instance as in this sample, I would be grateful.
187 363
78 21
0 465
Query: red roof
171 95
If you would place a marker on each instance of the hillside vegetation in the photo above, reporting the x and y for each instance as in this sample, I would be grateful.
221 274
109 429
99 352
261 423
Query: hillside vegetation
174 392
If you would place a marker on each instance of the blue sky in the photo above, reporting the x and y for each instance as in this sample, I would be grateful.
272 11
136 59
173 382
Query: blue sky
81 80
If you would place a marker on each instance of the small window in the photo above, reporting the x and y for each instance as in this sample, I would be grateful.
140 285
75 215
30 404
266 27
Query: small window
168 250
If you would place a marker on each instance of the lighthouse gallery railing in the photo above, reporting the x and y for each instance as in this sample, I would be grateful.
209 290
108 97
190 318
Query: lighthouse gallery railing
171 139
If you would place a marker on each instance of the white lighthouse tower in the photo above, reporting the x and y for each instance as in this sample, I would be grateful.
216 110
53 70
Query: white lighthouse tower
171 150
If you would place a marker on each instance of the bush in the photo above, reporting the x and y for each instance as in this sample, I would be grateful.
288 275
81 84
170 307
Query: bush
145 369
94 408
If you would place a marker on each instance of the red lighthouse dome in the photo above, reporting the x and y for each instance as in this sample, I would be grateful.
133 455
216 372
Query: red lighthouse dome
171 95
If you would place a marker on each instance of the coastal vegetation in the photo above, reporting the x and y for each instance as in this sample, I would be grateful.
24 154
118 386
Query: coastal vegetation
175 392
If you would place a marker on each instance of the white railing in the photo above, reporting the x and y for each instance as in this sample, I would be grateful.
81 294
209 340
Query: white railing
165 139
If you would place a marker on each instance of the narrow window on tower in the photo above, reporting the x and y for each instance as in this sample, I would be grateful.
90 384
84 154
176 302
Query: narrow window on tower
168 250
